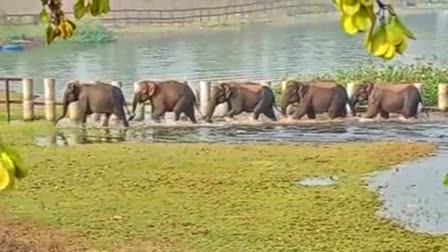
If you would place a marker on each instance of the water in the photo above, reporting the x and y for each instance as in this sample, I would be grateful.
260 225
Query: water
433 129
413 194
317 181
257 52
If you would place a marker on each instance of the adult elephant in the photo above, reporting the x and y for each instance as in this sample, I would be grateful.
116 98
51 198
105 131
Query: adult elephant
102 98
250 97
385 98
166 96
317 96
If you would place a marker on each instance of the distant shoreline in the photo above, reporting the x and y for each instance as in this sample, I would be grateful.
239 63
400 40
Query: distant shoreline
237 24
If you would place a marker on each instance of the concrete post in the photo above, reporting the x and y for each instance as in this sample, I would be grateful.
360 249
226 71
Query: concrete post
350 88
94 116
284 83
118 84
28 99
140 111
204 90
50 97
443 97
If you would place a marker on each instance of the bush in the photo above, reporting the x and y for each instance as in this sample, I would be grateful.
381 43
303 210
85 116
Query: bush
421 72
92 32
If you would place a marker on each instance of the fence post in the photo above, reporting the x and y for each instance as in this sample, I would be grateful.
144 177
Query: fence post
50 96
96 117
204 89
119 85
140 109
419 86
443 96
28 99
350 88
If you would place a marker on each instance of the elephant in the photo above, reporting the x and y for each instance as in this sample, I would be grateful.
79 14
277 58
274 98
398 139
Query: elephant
166 96
250 97
100 97
316 96
385 98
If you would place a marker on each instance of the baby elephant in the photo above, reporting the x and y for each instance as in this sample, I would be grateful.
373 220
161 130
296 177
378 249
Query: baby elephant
101 98
388 98
241 97
166 96
316 97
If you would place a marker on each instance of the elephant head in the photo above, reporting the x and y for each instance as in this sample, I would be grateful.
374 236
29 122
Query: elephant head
220 94
361 92
71 94
145 91
293 93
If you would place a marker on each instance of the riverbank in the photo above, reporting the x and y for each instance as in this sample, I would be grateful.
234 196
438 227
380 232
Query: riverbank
108 32
202 197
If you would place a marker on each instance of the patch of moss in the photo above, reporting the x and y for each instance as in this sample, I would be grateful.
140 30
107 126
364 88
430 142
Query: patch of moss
206 197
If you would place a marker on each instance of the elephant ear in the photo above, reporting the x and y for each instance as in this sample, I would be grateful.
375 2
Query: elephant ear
302 90
368 88
152 88
227 90
72 86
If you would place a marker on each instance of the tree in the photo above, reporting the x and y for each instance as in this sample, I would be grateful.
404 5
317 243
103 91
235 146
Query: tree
387 38
60 26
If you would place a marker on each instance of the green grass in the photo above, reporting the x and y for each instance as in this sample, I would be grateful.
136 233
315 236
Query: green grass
210 197
421 72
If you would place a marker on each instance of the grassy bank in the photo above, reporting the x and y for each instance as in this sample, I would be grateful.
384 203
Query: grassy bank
88 32
202 197
421 72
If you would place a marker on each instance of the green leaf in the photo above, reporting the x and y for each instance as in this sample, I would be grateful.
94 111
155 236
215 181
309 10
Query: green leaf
406 31
445 181
43 16
95 8
49 35
79 9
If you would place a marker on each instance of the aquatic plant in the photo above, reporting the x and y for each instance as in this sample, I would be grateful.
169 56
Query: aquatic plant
423 71
92 32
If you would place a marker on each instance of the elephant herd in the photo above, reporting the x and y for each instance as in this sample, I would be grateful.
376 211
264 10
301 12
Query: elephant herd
311 97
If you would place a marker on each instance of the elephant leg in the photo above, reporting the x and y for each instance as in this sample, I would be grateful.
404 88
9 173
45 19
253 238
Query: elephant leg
311 114
269 113
83 112
106 120
189 112
121 115
410 107
232 113
156 114
384 114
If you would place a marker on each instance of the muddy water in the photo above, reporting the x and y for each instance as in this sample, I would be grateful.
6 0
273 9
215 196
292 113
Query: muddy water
413 194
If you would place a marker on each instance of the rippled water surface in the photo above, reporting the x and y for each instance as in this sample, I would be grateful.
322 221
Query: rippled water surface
413 194
258 52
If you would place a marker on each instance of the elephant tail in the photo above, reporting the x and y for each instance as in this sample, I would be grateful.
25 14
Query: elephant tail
195 103
423 108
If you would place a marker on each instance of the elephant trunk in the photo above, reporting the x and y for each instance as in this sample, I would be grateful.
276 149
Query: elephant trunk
283 107
64 109
134 105
210 110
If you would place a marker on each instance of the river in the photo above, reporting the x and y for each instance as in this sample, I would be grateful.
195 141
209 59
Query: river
258 52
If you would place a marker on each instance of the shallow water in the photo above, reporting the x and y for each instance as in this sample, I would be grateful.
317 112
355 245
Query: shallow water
317 181
413 194
433 129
